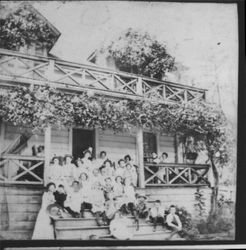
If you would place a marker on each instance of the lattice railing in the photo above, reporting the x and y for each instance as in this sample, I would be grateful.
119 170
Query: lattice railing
175 174
22 68
21 169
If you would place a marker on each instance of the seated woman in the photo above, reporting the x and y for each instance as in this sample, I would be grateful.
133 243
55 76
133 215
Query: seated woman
109 168
120 169
87 161
118 187
73 201
43 227
78 169
108 188
100 161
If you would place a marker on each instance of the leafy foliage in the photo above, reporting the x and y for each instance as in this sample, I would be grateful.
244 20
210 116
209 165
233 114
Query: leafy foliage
189 229
140 53
23 27
37 107
200 203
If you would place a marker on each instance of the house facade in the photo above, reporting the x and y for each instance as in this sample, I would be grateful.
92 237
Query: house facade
22 173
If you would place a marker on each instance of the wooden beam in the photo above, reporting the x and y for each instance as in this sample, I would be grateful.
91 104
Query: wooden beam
140 154
176 149
47 148
158 146
96 142
70 140
2 133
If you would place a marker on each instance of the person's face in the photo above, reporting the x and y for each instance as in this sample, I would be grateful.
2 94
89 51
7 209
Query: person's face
75 186
157 204
118 180
164 156
128 167
83 177
60 189
68 160
87 155
107 165
127 159
122 164
52 188
154 155
172 210
95 172
56 161
103 171
108 181
103 156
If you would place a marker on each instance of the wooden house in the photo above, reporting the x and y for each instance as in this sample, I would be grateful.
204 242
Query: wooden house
20 196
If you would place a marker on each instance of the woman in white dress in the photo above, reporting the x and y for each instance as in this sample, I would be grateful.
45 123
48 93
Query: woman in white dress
67 173
54 171
43 228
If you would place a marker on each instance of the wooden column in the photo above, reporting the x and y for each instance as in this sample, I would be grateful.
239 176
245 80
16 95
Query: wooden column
139 89
176 148
2 132
140 153
47 148
96 142
70 140
158 148
51 70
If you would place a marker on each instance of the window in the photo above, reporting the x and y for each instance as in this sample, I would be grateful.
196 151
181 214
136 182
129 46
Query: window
150 144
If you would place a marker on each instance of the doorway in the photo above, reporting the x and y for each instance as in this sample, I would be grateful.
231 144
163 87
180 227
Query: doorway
82 140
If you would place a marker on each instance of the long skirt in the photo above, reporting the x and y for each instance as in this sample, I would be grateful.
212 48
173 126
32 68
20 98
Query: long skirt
43 228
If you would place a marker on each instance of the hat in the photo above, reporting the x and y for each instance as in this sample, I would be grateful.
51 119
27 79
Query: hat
142 196
54 211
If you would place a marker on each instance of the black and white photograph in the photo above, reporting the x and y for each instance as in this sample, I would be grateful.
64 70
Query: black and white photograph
118 120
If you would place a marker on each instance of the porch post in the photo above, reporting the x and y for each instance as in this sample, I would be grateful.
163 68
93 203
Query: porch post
2 132
47 148
140 153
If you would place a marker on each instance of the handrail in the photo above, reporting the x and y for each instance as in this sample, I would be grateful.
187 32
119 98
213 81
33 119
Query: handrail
22 157
177 165
98 69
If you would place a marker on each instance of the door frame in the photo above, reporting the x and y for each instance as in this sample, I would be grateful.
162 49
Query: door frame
95 139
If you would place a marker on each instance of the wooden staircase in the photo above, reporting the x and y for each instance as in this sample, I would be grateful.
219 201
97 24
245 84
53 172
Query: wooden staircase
85 228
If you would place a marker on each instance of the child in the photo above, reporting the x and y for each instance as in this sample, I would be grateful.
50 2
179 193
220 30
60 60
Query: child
109 211
155 158
118 187
60 195
73 201
121 168
141 209
173 222
157 214
129 198
86 160
100 161
108 188
96 177
97 201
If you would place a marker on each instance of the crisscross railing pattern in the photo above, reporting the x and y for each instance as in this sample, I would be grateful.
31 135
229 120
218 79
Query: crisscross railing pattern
169 174
22 68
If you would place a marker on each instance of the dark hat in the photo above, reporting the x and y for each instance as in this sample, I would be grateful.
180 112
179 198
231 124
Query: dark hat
54 211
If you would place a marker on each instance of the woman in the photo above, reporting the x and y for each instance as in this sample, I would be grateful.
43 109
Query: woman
86 161
67 173
131 174
54 171
43 228
109 168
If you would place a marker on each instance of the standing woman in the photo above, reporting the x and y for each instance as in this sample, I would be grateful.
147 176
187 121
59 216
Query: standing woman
43 228
54 171
67 174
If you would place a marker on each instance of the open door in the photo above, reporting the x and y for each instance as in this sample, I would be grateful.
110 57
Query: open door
82 139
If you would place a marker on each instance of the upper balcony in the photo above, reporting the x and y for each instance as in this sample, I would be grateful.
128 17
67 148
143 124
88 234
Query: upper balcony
18 68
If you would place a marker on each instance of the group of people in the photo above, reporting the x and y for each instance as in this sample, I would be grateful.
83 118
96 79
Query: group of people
100 187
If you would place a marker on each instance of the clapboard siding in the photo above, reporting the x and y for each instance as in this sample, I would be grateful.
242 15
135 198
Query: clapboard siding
59 139
180 196
118 145
19 207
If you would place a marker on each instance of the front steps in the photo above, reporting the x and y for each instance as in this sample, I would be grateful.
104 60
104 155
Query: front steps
87 228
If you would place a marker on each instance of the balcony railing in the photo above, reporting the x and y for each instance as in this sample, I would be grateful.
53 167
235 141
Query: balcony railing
18 169
169 174
19 68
